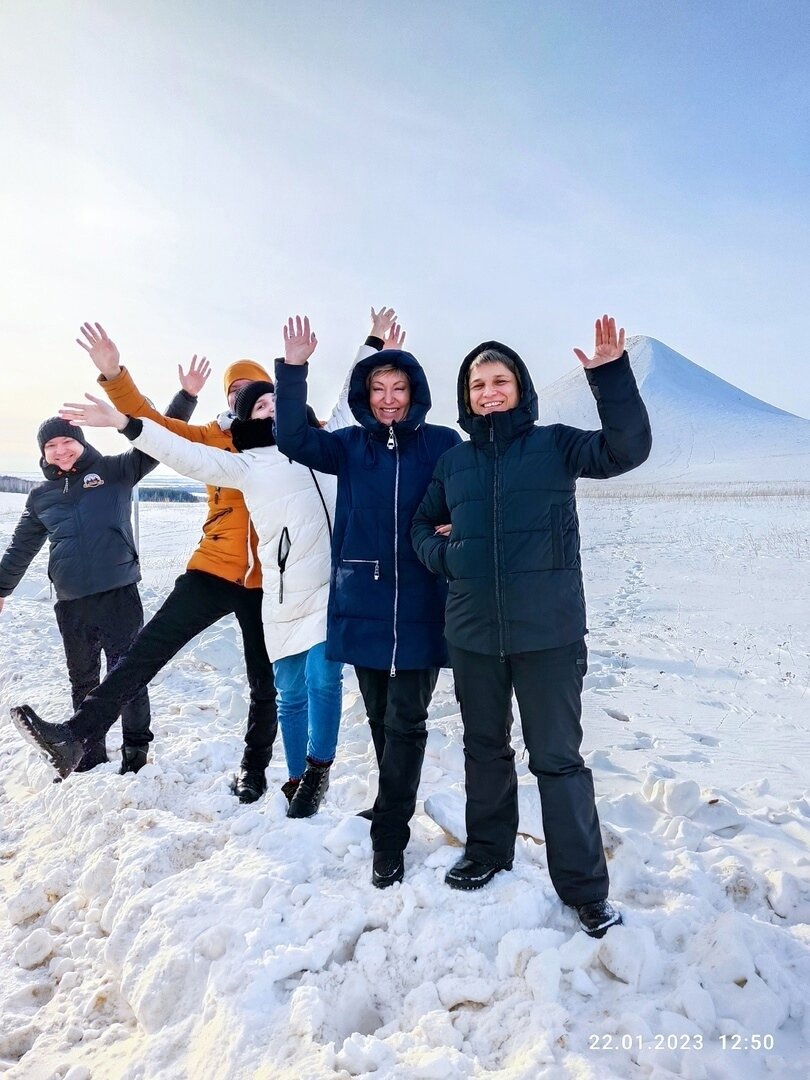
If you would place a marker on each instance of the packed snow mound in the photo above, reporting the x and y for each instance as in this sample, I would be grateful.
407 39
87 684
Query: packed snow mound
704 429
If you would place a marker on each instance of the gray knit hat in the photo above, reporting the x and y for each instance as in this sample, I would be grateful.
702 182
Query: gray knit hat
57 428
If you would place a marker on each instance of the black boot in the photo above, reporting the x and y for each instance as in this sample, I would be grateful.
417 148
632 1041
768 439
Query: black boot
133 759
289 788
56 741
93 755
467 874
250 784
309 796
388 868
597 918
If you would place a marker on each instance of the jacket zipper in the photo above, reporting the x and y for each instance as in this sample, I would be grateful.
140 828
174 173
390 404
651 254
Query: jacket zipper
392 445
284 546
496 545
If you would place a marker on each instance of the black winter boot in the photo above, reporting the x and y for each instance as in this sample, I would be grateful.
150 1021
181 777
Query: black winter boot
597 918
249 785
56 741
93 755
289 788
467 874
388 868
309 796
133 759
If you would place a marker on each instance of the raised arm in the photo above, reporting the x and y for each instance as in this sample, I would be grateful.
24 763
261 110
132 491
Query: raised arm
314 447
26 541
120 388
625 439
204 463
385 333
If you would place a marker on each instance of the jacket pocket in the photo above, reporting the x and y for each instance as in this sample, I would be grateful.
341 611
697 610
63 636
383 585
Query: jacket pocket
557 559
129 544
375 563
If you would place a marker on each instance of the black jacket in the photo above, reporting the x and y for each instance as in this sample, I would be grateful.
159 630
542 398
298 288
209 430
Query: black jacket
512 559
86 516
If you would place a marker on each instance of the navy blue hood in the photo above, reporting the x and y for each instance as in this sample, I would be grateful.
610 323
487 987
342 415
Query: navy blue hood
420 392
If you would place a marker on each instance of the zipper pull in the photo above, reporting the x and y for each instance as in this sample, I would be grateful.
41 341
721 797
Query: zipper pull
377 570
392 442
65 488
393 671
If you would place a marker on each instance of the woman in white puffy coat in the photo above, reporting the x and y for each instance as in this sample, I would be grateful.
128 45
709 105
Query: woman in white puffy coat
291 509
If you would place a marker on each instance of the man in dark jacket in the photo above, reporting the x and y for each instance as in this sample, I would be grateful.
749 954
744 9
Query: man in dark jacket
516 607
83 508
386 613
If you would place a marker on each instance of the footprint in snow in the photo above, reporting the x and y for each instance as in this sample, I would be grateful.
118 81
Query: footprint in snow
617 714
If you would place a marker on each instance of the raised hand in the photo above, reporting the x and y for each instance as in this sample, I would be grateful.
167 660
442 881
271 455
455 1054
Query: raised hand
382 321
102 350
609 345
299 341
98 414
395 338
196 377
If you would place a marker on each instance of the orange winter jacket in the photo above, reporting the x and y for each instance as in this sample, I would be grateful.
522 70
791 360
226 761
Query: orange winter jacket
228 545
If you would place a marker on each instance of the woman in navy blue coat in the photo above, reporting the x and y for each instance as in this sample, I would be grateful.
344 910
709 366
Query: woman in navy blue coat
386 610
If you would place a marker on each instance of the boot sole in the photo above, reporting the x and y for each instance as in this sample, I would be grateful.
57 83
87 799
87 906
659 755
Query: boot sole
24 720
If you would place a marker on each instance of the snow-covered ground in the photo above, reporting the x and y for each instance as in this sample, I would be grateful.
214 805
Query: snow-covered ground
155 928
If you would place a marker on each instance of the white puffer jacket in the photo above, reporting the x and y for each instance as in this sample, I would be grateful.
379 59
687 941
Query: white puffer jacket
288 505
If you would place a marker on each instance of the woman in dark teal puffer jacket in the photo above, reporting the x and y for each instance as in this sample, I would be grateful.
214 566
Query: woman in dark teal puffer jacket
515 617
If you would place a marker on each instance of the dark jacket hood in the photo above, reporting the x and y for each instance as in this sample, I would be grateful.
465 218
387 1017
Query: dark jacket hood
504 424
420 392
88 457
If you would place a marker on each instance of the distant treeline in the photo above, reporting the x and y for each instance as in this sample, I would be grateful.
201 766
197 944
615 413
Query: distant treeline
17 485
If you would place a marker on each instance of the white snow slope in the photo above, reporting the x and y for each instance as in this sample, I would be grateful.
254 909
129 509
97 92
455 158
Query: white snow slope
704 429
154 928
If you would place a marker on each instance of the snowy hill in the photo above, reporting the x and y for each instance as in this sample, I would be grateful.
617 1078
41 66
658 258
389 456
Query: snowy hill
704 429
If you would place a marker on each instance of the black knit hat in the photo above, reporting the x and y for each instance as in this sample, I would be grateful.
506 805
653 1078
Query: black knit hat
57 428
249 395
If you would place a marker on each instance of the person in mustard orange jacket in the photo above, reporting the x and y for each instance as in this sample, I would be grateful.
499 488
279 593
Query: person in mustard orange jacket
223 577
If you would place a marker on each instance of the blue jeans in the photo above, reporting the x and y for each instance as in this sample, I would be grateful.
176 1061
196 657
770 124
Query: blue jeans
310 696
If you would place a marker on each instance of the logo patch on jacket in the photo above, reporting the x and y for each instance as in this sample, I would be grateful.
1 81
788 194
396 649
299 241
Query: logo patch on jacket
92 480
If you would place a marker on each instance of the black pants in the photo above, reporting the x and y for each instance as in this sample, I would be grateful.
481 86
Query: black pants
107 622
397 708
196 602
548 687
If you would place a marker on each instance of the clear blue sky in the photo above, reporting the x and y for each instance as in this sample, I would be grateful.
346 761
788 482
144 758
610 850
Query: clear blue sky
190 173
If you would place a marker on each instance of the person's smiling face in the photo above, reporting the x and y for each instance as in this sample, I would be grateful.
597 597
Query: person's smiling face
62 452
389 397
492 388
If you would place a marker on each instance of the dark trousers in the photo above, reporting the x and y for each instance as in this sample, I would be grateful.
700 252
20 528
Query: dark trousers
548 687
397 708
107 622
196 602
